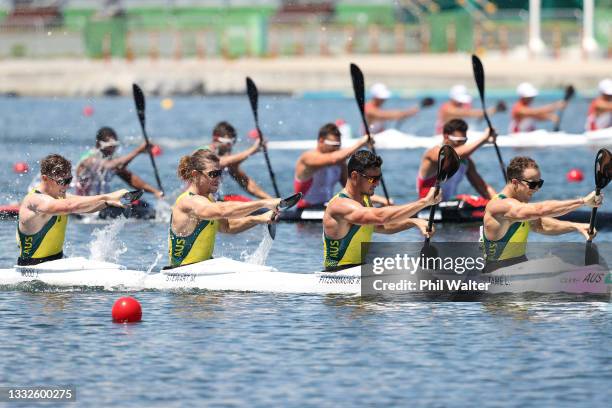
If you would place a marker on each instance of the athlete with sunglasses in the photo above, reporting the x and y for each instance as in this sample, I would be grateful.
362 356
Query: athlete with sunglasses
196 216
223 140
43 212
455 134
350 219
509 216
319 170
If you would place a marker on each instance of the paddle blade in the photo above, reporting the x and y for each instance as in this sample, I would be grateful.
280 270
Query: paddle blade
591 254
427 101
131 196
272 230
448 163
603 168
479 76
290 201
569 93
253 96
358 87
500 106
139 101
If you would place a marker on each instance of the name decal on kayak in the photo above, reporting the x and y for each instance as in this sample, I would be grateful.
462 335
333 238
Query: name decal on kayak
180 277
501 280
29 273
340 279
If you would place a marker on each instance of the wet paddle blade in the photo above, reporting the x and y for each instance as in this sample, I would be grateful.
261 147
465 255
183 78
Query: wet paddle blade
603 168
427 101
569 93
139 101
253 98
290 201
128 198
448 163
272 230
358 86
591 254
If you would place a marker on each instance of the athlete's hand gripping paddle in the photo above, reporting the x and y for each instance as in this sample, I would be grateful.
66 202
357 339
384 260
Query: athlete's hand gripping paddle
253 99
359 90
127 200
569 93
479 77
603 174
284 204
139 101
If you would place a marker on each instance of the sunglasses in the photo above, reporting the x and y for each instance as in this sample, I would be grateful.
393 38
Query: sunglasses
458 139
371 179
63 182
212 174
226 140
533 185
332 142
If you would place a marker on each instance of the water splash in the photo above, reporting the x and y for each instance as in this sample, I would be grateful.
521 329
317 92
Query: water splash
163 210
261 253
106 247
154 264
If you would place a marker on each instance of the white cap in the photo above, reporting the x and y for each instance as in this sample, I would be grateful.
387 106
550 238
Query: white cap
380 91
526 90
605 86
460 94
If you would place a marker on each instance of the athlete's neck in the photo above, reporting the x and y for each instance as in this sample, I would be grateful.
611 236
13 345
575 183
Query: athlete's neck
44 189
508 191
203 191
353 193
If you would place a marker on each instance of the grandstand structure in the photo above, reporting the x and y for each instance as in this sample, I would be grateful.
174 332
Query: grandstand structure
268 28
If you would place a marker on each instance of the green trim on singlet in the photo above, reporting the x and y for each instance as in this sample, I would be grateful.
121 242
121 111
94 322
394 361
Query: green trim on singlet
512 245
346 250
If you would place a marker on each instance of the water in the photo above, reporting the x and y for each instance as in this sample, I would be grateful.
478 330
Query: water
222 349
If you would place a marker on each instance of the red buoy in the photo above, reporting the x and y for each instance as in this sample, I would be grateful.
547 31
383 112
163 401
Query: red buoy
253 134
20 167
574 176
156 150
88 110
340 122
126 310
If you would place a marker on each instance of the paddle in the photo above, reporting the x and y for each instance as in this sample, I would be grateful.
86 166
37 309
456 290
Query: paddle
284 204
359 90
569 93
253 97
128 199
479 77
603 173
448 164
139 101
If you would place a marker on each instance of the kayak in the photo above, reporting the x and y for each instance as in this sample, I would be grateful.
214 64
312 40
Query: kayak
546 276
394 139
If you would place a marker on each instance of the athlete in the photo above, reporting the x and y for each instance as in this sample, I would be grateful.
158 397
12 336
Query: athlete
43 212
509 217
350 219
600 110
524 116
196 216
98 166
459 106
455 134
318 171
376 116
223 139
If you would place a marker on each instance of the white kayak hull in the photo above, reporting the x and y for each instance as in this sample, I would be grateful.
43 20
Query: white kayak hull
222 274
394 139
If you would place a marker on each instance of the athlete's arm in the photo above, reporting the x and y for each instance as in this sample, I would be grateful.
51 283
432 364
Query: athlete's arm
123 161
553 226
316 159
43 204
467 149
544 112
237 225
200 208
513 210
136 182
354 213
234 159
247 182
393 228
478 183
375 113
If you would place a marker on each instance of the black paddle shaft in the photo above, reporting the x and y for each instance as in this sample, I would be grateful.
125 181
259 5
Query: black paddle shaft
479 77
253 99
359 90
139 101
